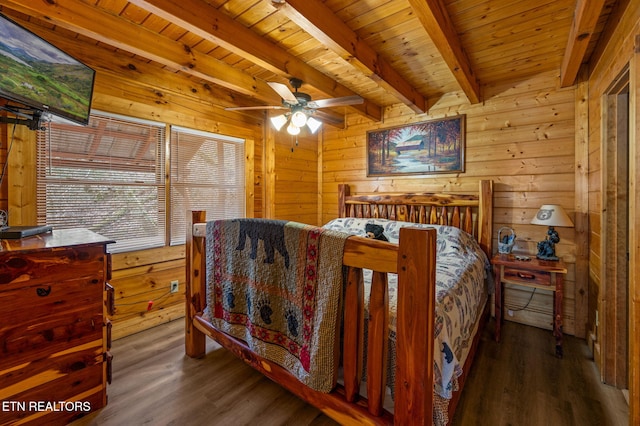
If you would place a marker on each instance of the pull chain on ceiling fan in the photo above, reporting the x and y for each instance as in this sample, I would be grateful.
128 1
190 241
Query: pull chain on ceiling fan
301 108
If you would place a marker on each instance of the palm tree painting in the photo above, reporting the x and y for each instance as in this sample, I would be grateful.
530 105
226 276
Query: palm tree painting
435 146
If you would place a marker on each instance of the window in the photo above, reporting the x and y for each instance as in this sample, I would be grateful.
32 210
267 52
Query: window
107 177
207 173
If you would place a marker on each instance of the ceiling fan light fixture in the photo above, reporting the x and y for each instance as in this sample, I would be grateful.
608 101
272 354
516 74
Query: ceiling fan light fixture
278 121
299 119
293 130
313 124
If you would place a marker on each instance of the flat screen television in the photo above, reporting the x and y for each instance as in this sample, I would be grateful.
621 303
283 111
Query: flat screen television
37 74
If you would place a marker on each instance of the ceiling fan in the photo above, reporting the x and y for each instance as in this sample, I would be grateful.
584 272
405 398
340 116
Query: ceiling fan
301 108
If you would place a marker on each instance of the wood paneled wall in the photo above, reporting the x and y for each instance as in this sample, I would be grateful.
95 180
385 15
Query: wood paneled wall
296 182
620 56
522 137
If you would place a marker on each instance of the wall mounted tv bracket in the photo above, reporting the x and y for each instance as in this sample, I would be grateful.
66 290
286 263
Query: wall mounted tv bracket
32 118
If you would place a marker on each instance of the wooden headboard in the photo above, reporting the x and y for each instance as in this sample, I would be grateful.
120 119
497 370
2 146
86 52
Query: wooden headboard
472 213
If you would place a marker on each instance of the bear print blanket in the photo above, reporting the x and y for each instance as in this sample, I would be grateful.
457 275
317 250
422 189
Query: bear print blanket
277 285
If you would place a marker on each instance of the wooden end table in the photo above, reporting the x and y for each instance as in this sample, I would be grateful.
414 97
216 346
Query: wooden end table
532 273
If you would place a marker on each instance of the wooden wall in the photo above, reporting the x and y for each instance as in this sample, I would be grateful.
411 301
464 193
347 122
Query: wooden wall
522 137
620 55
296 182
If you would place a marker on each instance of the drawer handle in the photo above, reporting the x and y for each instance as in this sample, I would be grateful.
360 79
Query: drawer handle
43 292
525 276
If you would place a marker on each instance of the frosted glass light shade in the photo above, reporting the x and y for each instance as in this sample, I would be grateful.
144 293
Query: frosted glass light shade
313 124
293 130
278 121
299 119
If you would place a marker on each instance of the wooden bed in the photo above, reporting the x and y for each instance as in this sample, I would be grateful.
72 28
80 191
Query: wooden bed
413 259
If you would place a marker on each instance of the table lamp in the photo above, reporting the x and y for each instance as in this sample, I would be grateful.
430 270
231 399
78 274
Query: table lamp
550 215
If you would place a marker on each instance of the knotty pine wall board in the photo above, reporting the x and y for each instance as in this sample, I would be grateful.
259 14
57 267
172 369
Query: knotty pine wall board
522 137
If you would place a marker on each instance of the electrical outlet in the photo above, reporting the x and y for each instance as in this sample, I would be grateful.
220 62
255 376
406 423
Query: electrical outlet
175 286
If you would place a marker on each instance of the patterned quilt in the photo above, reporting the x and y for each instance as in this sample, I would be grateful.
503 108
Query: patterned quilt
460 295
277 285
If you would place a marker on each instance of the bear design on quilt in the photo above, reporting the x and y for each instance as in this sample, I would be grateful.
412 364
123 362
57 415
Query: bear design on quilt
272 235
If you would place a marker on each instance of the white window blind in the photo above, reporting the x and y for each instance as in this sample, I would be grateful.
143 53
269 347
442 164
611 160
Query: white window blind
207 173
107 177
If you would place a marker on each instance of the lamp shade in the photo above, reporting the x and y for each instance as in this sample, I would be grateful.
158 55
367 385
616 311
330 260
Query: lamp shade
299 119
313 124
293 130
551 215
278 121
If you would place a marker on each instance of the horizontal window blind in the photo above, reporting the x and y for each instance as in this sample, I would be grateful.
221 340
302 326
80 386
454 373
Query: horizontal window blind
207 173
107 177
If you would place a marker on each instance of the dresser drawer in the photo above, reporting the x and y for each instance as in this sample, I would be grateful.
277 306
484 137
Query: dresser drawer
52 367
38 339
33 301
84 392
46 267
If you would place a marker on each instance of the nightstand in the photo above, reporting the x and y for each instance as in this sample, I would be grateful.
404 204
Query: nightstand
533 273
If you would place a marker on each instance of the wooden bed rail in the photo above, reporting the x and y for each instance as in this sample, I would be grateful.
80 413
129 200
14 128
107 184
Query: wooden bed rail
413 259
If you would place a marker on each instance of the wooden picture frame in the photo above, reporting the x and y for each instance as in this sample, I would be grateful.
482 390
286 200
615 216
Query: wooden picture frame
428 147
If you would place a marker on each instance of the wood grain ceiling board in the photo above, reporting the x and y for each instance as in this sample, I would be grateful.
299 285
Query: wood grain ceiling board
504 40
512 40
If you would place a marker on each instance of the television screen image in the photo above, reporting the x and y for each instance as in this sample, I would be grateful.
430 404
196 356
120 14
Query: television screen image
37 74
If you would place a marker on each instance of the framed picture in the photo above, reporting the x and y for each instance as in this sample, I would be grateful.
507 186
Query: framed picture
435 146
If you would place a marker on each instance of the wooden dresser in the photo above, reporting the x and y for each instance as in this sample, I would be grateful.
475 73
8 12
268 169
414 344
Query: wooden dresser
54 332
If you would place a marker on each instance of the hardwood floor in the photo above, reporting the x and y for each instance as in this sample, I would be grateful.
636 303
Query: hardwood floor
516 382
519 381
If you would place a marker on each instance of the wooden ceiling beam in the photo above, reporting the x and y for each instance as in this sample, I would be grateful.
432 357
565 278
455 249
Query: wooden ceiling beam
318 20
92 22
437 22
585 20
113 66
209 23
136 70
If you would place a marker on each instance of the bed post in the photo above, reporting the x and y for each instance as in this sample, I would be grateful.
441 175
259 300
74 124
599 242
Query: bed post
195 344
343 193
415 327
485 222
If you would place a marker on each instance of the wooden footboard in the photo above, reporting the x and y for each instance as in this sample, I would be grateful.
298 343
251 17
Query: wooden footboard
473 213
413 259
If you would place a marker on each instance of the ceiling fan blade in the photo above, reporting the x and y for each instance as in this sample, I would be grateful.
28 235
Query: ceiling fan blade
333 102
284 92
255 107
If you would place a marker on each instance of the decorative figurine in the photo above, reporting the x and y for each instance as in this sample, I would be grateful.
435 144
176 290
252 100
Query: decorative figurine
375 231
547 247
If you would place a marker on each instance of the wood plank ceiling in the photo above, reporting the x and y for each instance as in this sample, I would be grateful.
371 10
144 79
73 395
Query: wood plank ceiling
387 51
